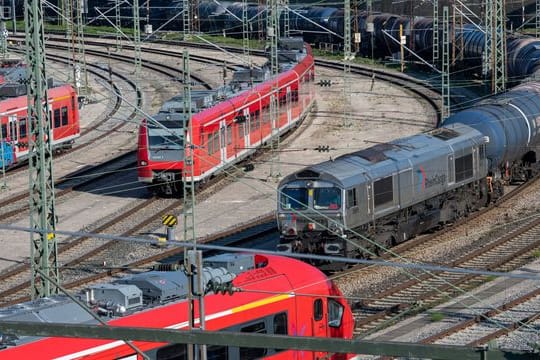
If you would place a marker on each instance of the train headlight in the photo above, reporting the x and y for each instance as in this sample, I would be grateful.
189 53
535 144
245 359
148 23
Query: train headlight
144 163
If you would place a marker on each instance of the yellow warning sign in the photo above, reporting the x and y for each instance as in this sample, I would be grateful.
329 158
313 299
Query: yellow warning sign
169 220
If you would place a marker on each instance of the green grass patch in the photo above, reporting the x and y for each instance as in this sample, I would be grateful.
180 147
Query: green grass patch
436 316
536 254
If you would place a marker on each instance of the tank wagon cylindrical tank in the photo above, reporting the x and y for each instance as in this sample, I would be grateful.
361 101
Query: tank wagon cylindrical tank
511 121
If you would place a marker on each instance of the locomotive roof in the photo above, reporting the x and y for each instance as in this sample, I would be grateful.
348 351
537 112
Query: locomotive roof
347 170
254 272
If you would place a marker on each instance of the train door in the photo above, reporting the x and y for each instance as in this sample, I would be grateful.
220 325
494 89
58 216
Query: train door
223 140
13 131
288 105
319 321
246 129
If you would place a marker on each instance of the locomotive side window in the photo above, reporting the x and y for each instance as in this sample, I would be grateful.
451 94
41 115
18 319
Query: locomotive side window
229 135
335 313
64 115
327 198
280 324
464 167
318 310
253 353
13 128
351 198
217 352
383 191
294 198
172 352
57 118
22 128
4 131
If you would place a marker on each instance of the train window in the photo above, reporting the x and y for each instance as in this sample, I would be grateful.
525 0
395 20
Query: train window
318 310
351 198
172 352
209 144
222 137
229 135
4 131
217 352
280 324
327 198
57 119
13 128
294 95
22 128
64 115
254 121
482 152
253 353
240 127
383 190
335 313
464 167
294 198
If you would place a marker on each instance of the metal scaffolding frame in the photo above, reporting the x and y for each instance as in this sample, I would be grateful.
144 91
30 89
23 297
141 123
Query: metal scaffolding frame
445 76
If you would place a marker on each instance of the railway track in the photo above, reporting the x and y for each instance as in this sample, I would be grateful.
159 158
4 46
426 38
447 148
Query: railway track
417 291
97 253
517 315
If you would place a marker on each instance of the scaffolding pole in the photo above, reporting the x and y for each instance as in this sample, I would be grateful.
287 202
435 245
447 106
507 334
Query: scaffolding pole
43 250
286 20
245 33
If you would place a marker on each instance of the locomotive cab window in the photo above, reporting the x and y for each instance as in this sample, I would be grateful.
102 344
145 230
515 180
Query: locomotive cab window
294 198
464 167
318 310
57 118
351 198
22 128
335 313
64 115
383 191
327 198
4 131
253 353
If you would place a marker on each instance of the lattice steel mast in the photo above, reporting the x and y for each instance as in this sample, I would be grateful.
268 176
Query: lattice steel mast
43 251
81 75
498 82
445 75
537 18
137 38
347 57
435 32
118 23
272 33
186 19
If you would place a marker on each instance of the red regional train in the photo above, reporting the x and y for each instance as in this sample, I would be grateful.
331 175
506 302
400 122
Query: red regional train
14 135
229 123
276 295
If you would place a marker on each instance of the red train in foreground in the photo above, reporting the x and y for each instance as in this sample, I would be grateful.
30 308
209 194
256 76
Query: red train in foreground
229 123
279 295
14 124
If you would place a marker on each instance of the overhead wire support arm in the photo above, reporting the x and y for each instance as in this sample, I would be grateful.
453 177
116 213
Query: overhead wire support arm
43 250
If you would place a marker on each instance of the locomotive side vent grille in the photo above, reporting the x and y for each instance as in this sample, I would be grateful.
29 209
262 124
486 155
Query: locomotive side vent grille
444 133
307 174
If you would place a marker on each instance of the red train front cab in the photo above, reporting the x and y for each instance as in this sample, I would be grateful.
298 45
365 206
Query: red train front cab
143 170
